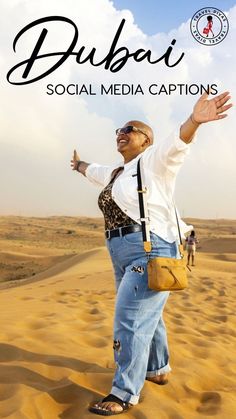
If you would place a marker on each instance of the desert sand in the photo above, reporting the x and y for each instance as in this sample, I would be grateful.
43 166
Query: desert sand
56 325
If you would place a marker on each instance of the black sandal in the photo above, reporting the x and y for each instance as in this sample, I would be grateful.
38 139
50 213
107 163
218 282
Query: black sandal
104 412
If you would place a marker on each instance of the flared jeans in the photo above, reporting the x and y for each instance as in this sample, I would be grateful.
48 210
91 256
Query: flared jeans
140 340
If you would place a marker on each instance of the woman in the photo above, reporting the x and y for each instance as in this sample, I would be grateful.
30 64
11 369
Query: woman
140 342
191 242
209 26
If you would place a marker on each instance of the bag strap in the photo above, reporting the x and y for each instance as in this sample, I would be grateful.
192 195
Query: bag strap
177 221
145 220
143 208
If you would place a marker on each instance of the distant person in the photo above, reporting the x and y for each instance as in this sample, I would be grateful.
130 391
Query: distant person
191 242
140 341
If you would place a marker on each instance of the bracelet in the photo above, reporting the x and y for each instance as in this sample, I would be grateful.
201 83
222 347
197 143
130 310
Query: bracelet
79 162
193 121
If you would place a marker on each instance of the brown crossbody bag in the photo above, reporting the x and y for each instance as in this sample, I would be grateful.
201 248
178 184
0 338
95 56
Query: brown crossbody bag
164 273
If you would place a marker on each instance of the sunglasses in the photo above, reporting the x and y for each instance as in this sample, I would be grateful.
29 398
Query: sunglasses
128 129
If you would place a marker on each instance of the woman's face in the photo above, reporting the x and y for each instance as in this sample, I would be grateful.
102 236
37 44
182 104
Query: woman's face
132 143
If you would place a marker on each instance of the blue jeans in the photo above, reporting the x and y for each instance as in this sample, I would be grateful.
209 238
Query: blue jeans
140 341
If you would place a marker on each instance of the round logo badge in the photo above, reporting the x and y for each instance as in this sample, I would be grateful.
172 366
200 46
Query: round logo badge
209 26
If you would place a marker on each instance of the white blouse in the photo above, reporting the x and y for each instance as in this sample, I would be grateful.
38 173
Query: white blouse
161 163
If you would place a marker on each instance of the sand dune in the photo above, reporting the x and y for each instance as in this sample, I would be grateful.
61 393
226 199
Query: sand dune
56 341
60 266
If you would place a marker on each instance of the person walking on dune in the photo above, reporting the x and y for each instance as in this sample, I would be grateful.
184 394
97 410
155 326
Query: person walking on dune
190 243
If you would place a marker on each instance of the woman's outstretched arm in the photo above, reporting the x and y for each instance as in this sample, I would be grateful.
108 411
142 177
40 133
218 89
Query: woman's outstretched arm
205 111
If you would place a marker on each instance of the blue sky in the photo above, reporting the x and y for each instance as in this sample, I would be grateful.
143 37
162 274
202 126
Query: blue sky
40 132
154 16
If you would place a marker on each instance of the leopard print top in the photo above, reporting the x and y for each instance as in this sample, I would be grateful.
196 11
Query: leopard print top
114 217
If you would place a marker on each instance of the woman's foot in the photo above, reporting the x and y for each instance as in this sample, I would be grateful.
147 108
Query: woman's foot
159 379
109 406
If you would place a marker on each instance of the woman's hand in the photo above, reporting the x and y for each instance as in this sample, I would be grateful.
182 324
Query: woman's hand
75 160
205 111
78 165
211 110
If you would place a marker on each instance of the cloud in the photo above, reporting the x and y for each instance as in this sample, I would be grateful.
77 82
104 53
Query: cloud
39 132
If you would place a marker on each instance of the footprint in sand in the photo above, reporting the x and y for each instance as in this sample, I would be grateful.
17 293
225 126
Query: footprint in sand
210 403
209 298
94 311
50 315
88 317
177 322
102 292
37 324
223 330
221 305
188 305
202 289
110 297
185 296
175 415
59 280
95 341
62 293
180 330
73 300
76 292
27 298
200 342
178 316
208 283
207 333
221 318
